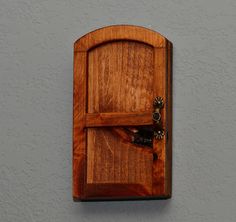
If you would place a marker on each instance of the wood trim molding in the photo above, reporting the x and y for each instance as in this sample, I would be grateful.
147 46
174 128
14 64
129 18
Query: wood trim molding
118 119
119 32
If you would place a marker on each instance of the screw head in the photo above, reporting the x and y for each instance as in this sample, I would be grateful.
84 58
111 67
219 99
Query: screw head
159 134
158 102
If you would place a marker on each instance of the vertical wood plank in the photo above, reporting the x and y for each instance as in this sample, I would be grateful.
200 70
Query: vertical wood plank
79 134
159 146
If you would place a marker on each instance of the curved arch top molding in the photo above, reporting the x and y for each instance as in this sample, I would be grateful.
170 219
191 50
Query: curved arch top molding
119 32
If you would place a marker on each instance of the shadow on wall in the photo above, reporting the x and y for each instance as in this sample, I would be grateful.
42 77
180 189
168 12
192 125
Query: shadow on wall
140 207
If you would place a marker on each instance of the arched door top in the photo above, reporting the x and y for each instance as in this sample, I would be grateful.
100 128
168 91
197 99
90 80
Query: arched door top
117 33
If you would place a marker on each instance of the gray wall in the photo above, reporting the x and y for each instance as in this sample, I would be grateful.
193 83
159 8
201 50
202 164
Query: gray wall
36 58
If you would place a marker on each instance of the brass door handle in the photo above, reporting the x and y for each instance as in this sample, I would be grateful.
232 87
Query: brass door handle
158 104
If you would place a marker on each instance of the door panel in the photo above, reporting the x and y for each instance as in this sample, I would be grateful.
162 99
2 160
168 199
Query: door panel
113 160
118 72
120 79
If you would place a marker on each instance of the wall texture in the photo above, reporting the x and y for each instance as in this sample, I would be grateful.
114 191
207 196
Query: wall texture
36 57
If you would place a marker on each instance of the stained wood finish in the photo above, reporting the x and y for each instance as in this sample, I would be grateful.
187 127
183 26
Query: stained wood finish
118 119
118 71
119 32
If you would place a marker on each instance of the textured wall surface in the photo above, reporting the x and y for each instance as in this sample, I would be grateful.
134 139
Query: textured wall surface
36 58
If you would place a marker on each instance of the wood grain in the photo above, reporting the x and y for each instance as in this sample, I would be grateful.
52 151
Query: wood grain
110 160
119 80
120 77
118 119
79 135
119 32
159 147
118 71
116 191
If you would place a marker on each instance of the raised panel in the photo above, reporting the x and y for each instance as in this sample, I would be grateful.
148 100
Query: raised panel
120 79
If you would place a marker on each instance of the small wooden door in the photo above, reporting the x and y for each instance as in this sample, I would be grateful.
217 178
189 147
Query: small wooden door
119 150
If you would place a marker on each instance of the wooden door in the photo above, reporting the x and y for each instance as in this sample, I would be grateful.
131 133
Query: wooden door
118 73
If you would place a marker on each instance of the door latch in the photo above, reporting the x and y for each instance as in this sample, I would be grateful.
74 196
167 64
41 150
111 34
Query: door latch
158 104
